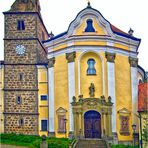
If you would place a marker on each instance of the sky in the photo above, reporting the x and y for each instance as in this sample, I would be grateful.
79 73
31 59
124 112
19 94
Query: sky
124 14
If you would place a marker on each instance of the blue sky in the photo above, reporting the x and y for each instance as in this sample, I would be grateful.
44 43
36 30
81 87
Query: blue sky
57 15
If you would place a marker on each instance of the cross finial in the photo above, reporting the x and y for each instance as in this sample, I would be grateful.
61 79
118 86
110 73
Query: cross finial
88 4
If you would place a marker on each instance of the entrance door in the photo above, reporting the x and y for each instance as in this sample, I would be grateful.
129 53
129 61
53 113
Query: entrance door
92 124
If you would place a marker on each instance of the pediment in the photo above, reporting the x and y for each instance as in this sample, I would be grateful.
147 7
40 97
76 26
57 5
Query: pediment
124 111
100 25
61 110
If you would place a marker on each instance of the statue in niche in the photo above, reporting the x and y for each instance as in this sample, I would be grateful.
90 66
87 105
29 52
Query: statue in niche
92 90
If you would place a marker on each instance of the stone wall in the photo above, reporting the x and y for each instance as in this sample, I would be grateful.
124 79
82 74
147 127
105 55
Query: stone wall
30 126
29 57
11 26
28 103
12 77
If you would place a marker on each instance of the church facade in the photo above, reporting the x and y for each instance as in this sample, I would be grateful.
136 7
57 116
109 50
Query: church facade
82 82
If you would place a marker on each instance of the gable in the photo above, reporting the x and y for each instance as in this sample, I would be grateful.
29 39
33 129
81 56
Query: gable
93 29
90 22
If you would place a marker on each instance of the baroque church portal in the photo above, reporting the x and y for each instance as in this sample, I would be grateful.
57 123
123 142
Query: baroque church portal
82 82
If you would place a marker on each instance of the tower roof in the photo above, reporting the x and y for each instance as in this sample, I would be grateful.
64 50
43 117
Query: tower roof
25 6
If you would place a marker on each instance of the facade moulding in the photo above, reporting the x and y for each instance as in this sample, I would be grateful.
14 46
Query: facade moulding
51 62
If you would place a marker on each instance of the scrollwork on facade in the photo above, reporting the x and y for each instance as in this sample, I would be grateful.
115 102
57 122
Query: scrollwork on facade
110 57
71 57
133 62
51 62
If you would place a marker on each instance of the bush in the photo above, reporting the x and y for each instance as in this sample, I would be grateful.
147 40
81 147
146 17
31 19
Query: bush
58 142
33 141
20 140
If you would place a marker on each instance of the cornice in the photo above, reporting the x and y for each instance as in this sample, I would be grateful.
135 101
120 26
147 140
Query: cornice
91 48
92 38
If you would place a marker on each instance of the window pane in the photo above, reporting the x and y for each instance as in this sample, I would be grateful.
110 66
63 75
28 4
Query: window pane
61 123
23 25
44 125
18 25
91 69
18 100
43 97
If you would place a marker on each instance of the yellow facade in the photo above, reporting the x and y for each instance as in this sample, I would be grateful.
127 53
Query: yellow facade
123 88
1 98
43 90
92 38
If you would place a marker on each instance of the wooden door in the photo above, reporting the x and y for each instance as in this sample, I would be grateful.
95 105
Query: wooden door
92 124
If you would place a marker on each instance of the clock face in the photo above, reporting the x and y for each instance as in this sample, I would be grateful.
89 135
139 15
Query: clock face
20 49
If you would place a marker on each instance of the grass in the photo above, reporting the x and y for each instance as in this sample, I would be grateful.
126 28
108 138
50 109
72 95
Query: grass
33 141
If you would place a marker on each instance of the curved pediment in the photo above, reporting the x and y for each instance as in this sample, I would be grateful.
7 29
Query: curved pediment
91 28
99 26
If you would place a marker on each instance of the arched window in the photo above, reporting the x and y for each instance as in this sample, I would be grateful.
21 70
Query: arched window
89 27
91 67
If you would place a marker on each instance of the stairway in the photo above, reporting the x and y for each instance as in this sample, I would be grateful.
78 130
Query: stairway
91 143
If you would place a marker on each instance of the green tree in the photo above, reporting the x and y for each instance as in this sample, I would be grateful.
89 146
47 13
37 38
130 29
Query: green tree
145 132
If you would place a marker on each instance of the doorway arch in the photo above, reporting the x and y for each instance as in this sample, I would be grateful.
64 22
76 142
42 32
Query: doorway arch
92 124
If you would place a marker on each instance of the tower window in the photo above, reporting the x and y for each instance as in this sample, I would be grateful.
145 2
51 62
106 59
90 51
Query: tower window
89 27
43 97
18 100
91 69
21 77
21 122
20 25
44 125
24 1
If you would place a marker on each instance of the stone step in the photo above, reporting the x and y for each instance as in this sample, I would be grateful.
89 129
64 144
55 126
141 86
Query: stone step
91 143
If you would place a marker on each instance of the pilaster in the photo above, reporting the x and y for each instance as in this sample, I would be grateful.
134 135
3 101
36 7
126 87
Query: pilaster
134 87
71 86
111 85
51 127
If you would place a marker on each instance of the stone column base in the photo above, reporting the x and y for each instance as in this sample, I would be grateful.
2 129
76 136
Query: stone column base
115 138
71 134
51 134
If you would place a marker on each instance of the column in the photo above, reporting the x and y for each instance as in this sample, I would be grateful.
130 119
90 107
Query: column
109 123
51 127
111 85
134 88
105 127
102 125
71 87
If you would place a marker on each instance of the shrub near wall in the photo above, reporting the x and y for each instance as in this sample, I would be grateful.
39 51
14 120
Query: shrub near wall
33 141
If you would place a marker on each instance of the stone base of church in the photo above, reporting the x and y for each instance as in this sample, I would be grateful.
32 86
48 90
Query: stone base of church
115 138
51 134
71 134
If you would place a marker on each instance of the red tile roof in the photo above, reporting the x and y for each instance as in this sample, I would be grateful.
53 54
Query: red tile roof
143 97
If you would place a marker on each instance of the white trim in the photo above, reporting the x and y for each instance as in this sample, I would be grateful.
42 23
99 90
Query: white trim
71 92
51 99
96 49
134 89
112 91
92 13
79 67
51 45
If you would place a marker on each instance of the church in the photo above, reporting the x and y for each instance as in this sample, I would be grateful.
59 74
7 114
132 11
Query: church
80 83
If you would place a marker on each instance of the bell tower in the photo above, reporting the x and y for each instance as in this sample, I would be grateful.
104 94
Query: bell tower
23 52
